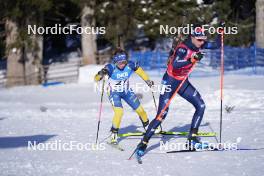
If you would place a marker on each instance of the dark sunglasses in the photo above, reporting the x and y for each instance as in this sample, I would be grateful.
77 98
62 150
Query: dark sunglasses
200 40
121 62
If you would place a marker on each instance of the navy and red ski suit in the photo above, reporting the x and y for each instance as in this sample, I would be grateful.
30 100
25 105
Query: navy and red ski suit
178 67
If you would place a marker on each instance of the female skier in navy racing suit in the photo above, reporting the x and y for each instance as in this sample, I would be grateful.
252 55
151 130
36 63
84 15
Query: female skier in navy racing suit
184 56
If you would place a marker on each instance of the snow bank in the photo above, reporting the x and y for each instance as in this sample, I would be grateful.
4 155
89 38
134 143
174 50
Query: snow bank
86 74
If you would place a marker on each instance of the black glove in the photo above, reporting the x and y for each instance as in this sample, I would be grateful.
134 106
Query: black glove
150 83
103 72
221 26
222 23
99 76
197 57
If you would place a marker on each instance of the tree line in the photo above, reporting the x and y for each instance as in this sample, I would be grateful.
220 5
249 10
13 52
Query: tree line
24 53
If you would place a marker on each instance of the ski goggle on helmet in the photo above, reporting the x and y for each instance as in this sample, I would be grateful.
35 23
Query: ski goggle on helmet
120 59
199 34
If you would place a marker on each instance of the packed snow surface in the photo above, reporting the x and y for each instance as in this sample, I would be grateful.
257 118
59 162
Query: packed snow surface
68 113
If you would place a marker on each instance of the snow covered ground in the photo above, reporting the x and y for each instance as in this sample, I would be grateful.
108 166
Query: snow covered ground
68 113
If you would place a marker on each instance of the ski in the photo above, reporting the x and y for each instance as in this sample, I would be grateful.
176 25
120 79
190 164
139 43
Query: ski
131 134
203 150
214 150
201 134
116 146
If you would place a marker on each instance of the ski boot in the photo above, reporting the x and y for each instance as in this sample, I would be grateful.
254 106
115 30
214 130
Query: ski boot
113 139
158 130
114 136
194 142
140 151
141 148
145 124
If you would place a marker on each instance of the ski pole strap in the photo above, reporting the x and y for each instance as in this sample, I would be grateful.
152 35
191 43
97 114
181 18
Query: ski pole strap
159 117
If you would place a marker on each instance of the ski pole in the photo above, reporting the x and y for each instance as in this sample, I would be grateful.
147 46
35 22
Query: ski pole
130 157
100 111
221 84
154 101
155 106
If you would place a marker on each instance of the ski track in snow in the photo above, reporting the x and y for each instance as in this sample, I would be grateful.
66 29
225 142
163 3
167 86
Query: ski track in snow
69 113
